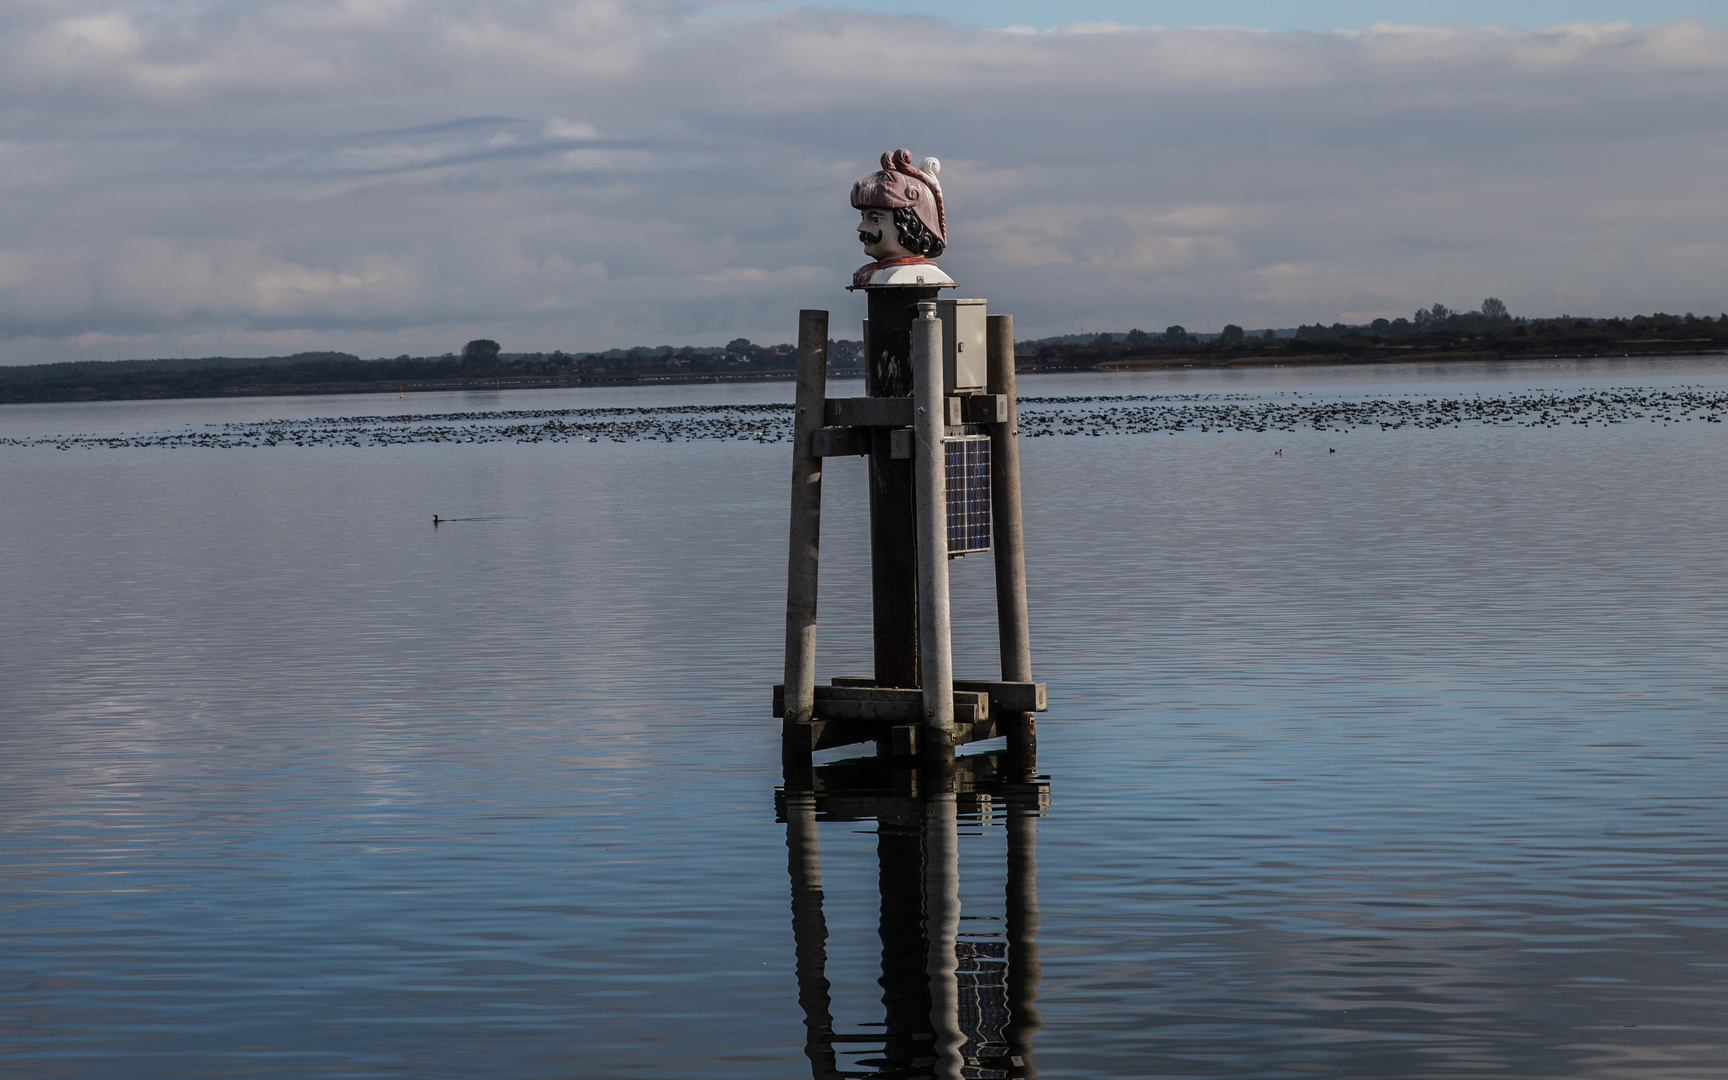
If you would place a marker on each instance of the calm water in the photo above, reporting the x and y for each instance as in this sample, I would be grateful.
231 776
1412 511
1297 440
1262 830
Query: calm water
1403 760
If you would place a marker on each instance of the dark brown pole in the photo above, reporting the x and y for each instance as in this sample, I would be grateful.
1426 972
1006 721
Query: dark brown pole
1008 542
806 532
893 536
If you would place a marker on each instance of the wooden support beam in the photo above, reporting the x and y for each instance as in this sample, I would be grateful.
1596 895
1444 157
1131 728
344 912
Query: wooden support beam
1009 696
1009 543
985 727
1004 696
893 535
1006 524
868 412
831 694
892 705
807 738
903 740
806 528
930 496
828 442
898 412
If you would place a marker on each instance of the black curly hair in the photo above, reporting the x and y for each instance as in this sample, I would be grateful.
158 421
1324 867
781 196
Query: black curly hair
914 237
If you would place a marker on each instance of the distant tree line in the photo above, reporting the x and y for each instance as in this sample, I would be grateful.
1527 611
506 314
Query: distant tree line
481 360
1491 316
1435 332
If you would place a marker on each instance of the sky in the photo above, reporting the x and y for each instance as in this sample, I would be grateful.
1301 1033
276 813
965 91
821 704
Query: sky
1286 15
260 177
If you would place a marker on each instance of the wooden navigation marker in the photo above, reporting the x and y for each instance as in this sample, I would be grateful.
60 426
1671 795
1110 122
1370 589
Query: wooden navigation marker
937 427
913 494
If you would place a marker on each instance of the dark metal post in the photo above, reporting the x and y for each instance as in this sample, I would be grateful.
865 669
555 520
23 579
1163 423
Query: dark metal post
1008 541
893 545
806 529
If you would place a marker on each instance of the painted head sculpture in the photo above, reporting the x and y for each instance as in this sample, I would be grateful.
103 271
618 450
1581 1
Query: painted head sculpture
901 222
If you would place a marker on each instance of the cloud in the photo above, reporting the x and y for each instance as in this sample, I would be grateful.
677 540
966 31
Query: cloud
387 177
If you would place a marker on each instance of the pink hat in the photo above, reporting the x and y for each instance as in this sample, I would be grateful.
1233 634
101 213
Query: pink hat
899 184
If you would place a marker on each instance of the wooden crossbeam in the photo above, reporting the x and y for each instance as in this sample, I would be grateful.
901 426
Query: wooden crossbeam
900 412
879 704
856 710
1004 696
868 412
883 788
839 441
1009 696
901 738
850 420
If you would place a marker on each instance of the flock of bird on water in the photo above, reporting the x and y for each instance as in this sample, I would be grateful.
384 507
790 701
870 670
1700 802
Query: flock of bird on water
1040 417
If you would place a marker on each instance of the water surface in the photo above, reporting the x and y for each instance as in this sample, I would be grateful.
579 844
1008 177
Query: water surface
1397 753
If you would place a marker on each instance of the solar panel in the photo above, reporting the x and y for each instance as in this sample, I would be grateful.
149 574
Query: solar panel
966 465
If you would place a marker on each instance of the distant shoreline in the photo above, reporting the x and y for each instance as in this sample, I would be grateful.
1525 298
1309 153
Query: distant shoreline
62 391
63 394
1344 360
526 382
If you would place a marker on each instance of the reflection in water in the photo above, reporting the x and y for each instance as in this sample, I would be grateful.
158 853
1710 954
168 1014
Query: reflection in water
950 1008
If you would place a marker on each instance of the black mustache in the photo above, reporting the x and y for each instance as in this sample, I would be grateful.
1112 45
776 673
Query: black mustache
871 238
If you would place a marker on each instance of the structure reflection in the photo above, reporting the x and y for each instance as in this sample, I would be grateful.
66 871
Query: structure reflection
951 1008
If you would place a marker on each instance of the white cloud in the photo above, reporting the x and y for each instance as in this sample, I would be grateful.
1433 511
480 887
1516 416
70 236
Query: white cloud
560 128
387 177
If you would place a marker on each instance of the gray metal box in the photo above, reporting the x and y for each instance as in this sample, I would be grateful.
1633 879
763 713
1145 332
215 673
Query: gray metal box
963 343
